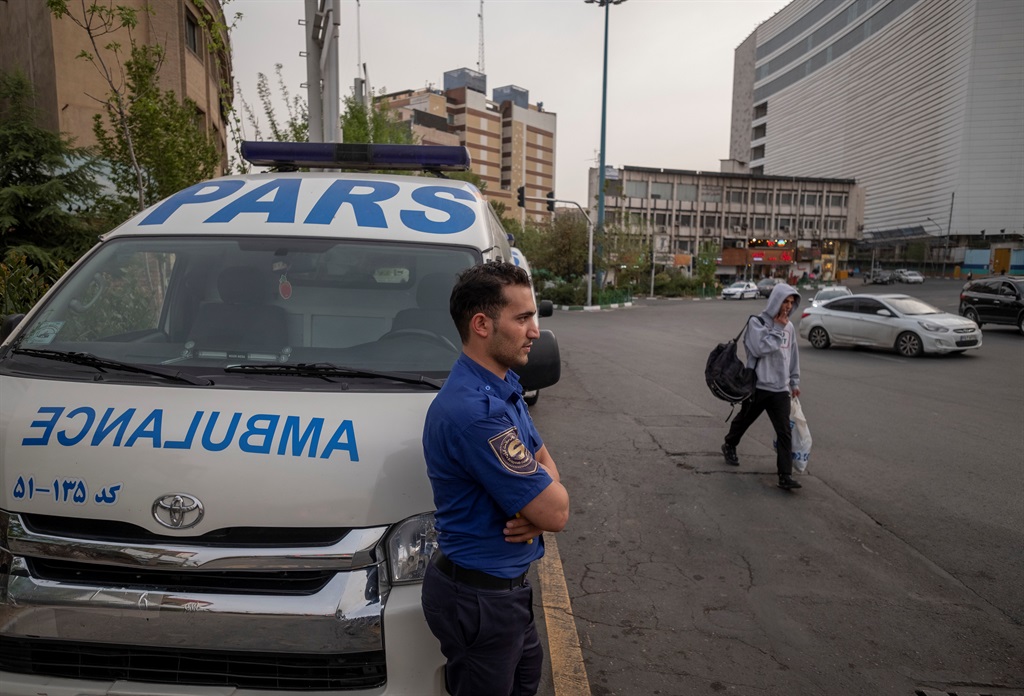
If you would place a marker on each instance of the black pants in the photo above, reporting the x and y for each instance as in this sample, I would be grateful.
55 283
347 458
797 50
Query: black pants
488 636
777 405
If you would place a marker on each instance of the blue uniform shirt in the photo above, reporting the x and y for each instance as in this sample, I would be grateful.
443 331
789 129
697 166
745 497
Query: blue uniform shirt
479 443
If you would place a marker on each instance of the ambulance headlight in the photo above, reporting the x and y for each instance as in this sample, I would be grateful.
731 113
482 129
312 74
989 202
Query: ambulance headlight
410 545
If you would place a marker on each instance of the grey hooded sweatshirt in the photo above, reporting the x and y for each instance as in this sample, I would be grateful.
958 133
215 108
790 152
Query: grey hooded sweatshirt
772 346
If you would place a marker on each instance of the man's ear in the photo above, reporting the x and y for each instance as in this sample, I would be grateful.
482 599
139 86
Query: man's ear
480 325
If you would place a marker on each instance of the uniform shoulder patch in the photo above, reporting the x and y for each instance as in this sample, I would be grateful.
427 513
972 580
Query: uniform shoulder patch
512 453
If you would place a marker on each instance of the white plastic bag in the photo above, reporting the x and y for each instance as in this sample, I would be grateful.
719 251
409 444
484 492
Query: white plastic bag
801 436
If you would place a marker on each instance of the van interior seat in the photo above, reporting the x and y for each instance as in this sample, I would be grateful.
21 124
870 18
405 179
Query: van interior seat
431 313
244 319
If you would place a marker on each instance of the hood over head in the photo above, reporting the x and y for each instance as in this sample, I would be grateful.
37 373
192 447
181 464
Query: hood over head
779 294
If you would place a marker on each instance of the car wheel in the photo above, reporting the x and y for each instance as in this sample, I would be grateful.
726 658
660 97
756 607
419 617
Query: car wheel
1020 323
819 338
972 314
908 344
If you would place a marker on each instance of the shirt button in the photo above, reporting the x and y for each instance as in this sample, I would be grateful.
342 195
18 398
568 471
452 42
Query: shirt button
487 388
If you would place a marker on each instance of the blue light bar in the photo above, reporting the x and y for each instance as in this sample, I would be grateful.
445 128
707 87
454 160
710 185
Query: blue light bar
356 156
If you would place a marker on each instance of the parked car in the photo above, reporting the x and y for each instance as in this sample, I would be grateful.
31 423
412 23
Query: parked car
900 322
765 285
912 277
830 293
998 300
880 277
740 291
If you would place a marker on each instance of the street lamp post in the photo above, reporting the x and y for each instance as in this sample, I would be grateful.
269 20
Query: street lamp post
606 4
945 251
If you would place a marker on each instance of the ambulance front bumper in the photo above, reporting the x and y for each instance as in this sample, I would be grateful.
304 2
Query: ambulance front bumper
89 617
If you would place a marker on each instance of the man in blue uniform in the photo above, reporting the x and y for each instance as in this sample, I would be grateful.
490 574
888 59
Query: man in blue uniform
496 489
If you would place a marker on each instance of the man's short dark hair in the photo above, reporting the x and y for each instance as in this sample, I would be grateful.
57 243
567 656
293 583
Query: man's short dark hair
480 288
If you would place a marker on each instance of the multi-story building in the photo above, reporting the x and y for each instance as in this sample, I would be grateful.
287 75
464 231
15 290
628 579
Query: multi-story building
67 87
511 142
762 225
921 102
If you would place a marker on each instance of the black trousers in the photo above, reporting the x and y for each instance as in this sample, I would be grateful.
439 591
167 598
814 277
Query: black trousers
488 636
777 405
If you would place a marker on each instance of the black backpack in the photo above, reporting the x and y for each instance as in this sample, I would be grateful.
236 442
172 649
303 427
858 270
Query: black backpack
727 377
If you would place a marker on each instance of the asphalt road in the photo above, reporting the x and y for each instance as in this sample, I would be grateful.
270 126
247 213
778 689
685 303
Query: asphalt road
897 569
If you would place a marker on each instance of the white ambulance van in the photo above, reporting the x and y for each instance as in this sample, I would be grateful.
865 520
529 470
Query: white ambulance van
211 472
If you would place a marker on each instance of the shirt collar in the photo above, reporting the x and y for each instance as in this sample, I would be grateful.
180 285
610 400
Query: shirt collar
502 388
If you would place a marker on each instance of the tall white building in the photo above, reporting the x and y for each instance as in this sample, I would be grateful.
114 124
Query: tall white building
920 101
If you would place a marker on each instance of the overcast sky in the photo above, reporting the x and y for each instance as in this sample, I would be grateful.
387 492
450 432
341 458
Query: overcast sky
669 66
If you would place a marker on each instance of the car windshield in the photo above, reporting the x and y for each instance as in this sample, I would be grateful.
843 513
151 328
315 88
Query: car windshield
912 306
738 286
194 306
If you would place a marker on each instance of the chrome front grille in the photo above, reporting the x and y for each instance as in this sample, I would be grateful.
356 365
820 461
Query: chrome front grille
144 607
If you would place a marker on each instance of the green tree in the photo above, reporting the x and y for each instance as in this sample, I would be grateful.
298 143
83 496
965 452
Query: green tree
707 262
172 151
46 183
154 146
376 124
295 128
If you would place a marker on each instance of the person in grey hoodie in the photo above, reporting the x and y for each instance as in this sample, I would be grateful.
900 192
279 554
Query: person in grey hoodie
771 347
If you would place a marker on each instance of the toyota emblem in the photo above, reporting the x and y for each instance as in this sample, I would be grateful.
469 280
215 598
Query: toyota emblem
177 510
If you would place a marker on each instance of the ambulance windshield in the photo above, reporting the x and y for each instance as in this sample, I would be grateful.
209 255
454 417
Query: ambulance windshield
200 304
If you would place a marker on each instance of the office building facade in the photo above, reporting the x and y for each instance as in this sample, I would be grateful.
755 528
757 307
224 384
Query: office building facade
761 225
922 102
511 141
46 50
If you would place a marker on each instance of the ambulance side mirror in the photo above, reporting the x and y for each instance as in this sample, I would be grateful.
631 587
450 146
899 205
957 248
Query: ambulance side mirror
545 365
545 308
10 323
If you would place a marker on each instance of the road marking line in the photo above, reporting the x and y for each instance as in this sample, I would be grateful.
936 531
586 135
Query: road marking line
569 675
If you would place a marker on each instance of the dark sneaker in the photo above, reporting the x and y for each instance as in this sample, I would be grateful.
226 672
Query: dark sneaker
789 483
730 455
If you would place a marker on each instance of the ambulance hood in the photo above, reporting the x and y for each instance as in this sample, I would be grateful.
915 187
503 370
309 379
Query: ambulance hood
252 458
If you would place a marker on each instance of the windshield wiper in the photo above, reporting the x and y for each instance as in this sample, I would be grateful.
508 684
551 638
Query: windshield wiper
104 364
326 370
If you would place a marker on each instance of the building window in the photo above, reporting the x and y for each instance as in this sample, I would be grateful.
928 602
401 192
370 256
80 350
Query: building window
684 220
686 192
762 197
784 224
784 199
192 33
760 111
837 201
711 222
636 189
711 194
809 199
736 196
760 224
660 218
661 190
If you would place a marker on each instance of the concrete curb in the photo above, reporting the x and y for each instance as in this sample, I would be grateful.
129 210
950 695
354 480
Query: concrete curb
593 308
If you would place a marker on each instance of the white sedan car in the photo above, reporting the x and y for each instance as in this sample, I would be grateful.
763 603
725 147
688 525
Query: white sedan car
899 322
740 291
912 277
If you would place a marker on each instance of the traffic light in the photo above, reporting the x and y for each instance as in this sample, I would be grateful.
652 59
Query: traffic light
521 191
551 201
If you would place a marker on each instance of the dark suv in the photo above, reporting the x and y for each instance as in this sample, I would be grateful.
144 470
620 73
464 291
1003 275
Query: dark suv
998 300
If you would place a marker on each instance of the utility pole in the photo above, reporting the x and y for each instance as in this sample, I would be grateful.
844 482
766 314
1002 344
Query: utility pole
322 92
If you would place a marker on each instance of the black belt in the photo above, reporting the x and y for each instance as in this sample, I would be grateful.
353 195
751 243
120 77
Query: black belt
476 578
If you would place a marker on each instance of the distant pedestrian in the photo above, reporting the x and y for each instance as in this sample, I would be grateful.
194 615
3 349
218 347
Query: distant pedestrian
770 342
